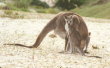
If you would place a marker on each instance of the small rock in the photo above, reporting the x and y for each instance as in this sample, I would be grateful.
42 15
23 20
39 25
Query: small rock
52 35
95 47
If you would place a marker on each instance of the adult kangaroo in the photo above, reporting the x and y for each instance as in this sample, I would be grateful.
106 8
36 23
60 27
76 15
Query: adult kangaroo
58 25
75 40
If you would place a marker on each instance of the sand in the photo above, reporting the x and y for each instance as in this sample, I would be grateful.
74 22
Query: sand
25 31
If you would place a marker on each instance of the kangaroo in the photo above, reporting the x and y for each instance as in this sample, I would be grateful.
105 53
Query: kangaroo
75 19
58 25
75 41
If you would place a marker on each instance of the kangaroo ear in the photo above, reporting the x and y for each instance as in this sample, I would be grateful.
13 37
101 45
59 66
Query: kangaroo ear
71 16
65 17
76 19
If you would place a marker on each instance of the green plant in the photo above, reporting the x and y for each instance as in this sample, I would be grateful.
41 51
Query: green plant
94 11
69 4
52 10
13 7
11 14
22 3
48 10
8 12
40 3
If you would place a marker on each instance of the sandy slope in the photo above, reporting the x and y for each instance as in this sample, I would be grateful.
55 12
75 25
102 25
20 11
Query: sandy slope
25 31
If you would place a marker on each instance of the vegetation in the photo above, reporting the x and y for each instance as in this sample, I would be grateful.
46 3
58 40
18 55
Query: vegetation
22 3
88 8
69 4
48 10
98 11
13 7
40 3
11 14
62 4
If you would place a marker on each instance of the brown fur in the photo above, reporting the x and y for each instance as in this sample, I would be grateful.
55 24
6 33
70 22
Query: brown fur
75 41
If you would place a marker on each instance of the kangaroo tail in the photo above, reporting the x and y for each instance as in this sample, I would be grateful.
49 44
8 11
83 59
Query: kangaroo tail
17 44
49 27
